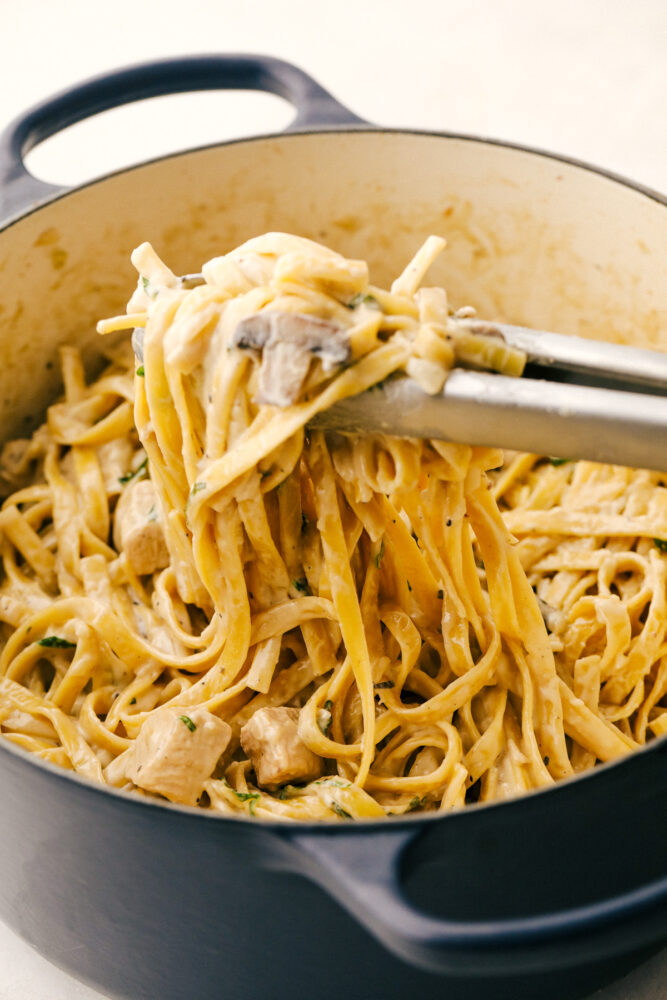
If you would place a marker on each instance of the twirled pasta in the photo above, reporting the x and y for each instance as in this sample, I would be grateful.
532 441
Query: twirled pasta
388 597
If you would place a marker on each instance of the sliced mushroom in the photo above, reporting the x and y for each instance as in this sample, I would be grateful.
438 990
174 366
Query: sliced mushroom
288 343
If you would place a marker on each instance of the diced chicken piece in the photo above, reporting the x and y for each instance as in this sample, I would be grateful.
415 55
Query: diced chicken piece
138 529
278 754
289 342
176 751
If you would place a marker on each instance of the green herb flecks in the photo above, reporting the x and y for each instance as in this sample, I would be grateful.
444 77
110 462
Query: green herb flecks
138 473
363 298
380 555
559 461
417 803
383 684
301 585
197 487
325 718
252 798
150 291
187 721
289 792
55 642
141 371
660 543
338 809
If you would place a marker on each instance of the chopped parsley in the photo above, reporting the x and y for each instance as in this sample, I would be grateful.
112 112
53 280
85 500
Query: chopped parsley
417 803
660 543
559 461
187 721
338 809
333 782
150 291
133 701
152 514
141 371
245 796
252 798
380 555
138 473
363 298
546 761
196 487
55 642
288 791
409 587
301 585
325 718
383 684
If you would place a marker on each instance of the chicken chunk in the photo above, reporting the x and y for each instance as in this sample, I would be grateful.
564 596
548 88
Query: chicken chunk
176 751
279 756
138 529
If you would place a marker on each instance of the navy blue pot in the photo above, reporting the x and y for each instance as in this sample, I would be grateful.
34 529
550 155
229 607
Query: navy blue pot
545 897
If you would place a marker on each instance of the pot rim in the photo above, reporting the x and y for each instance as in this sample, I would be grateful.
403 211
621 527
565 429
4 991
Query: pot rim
366 129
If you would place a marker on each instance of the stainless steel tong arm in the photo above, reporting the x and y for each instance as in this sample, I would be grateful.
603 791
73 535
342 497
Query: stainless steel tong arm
578 398
583 359
548 418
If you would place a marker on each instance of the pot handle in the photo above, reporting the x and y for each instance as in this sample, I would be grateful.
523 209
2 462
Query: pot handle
362 872
19 190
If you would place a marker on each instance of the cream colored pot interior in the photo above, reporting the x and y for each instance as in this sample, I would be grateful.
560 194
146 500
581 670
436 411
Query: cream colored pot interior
530 239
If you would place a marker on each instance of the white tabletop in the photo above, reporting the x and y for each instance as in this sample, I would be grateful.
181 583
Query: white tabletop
585 78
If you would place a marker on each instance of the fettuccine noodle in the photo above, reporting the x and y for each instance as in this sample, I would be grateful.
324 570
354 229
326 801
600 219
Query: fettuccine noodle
205 600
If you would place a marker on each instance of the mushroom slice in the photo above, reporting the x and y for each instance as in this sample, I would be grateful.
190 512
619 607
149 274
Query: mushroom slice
288 343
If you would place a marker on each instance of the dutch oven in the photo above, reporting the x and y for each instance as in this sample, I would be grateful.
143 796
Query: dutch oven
547 896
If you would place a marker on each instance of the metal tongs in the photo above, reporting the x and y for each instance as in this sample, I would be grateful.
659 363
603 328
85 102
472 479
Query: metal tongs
577 398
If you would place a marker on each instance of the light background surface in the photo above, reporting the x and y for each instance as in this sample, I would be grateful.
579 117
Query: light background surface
584 78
